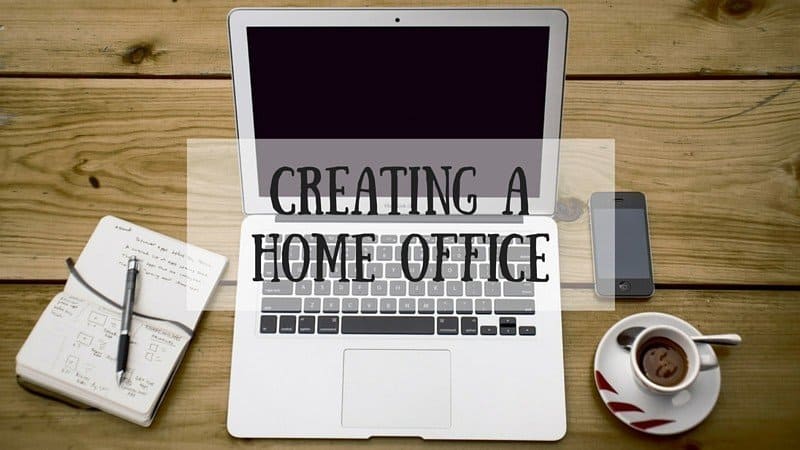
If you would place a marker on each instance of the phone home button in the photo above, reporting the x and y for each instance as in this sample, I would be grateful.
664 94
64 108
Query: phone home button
624 286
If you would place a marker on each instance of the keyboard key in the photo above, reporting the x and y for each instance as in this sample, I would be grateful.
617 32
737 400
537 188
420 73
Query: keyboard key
508 321
287 324
328 325
483 306
473 270
508 331
269 324
394 270
488 330
268 271
514 306
380 288
383 253
520 289
397 288
483 271
342 288
491 288
360 288
322 287
435 288
464 306
387 325
426 305
407 306
415 270
369 305
350 305
455 288
522 270
527 331
447 325
473 288
417 289
522 254
469 325
366 250
277 287
445 306
305 324
330 305
303 287
375 269
312 305
388 238
508 326
388 305
297 269
450 271
280 304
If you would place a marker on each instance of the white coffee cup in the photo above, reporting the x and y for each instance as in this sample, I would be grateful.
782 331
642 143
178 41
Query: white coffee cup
696 361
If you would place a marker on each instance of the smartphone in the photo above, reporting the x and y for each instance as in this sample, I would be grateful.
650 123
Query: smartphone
623 267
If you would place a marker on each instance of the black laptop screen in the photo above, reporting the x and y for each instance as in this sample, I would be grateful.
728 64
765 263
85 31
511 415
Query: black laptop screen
389 96
398 83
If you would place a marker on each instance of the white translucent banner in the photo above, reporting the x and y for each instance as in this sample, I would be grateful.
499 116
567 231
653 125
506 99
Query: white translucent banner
218 190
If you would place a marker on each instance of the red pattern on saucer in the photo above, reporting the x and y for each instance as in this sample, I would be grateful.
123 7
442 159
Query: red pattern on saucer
617 407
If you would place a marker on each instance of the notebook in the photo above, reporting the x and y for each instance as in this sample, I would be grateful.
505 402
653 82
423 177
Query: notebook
71 352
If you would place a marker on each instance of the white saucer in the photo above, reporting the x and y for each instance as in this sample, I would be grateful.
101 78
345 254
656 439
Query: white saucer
636 406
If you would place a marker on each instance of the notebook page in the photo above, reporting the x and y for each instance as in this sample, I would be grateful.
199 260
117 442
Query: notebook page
175 279
75 342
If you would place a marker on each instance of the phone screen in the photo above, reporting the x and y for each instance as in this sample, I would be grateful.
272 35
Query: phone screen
621 245
630 252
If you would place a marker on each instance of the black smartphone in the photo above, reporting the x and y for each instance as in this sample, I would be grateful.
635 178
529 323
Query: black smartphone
621 245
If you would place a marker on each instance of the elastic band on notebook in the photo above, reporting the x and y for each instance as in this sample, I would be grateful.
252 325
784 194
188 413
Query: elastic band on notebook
77 275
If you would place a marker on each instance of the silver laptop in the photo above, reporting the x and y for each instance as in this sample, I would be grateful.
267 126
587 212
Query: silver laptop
389 138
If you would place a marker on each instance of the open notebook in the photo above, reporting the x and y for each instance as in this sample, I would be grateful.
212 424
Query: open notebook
71 351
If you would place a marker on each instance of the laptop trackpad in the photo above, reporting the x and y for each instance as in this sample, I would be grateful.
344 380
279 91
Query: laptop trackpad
396 389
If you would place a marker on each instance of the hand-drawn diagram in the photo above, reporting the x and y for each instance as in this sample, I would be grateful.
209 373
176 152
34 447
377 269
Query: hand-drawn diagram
97 318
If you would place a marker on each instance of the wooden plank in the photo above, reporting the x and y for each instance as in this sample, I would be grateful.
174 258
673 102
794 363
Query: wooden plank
152 37
716 159
758 406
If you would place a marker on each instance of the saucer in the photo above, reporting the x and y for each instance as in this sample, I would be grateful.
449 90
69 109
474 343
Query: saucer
640 408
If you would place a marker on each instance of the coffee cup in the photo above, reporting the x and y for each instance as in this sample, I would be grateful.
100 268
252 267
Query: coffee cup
666 361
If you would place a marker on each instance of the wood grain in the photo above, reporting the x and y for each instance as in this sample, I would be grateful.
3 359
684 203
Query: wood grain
758 406
189 38
717 160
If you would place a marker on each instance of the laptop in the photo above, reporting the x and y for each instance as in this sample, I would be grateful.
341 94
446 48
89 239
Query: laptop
357 127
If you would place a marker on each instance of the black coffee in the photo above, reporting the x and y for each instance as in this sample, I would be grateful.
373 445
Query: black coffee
662 361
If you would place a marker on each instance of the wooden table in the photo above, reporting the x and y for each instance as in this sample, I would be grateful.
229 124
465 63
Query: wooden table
97 101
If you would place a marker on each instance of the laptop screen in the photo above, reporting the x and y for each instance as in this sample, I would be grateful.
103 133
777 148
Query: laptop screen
399 96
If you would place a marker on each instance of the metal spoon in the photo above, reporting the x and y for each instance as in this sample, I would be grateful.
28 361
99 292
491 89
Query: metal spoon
626 338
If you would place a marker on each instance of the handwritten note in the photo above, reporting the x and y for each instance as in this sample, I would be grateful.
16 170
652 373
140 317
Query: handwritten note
76 341
175 279
72 349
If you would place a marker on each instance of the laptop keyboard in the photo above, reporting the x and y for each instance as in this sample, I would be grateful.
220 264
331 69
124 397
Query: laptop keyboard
393 305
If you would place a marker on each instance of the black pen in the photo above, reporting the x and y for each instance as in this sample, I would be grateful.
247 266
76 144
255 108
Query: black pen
127 314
